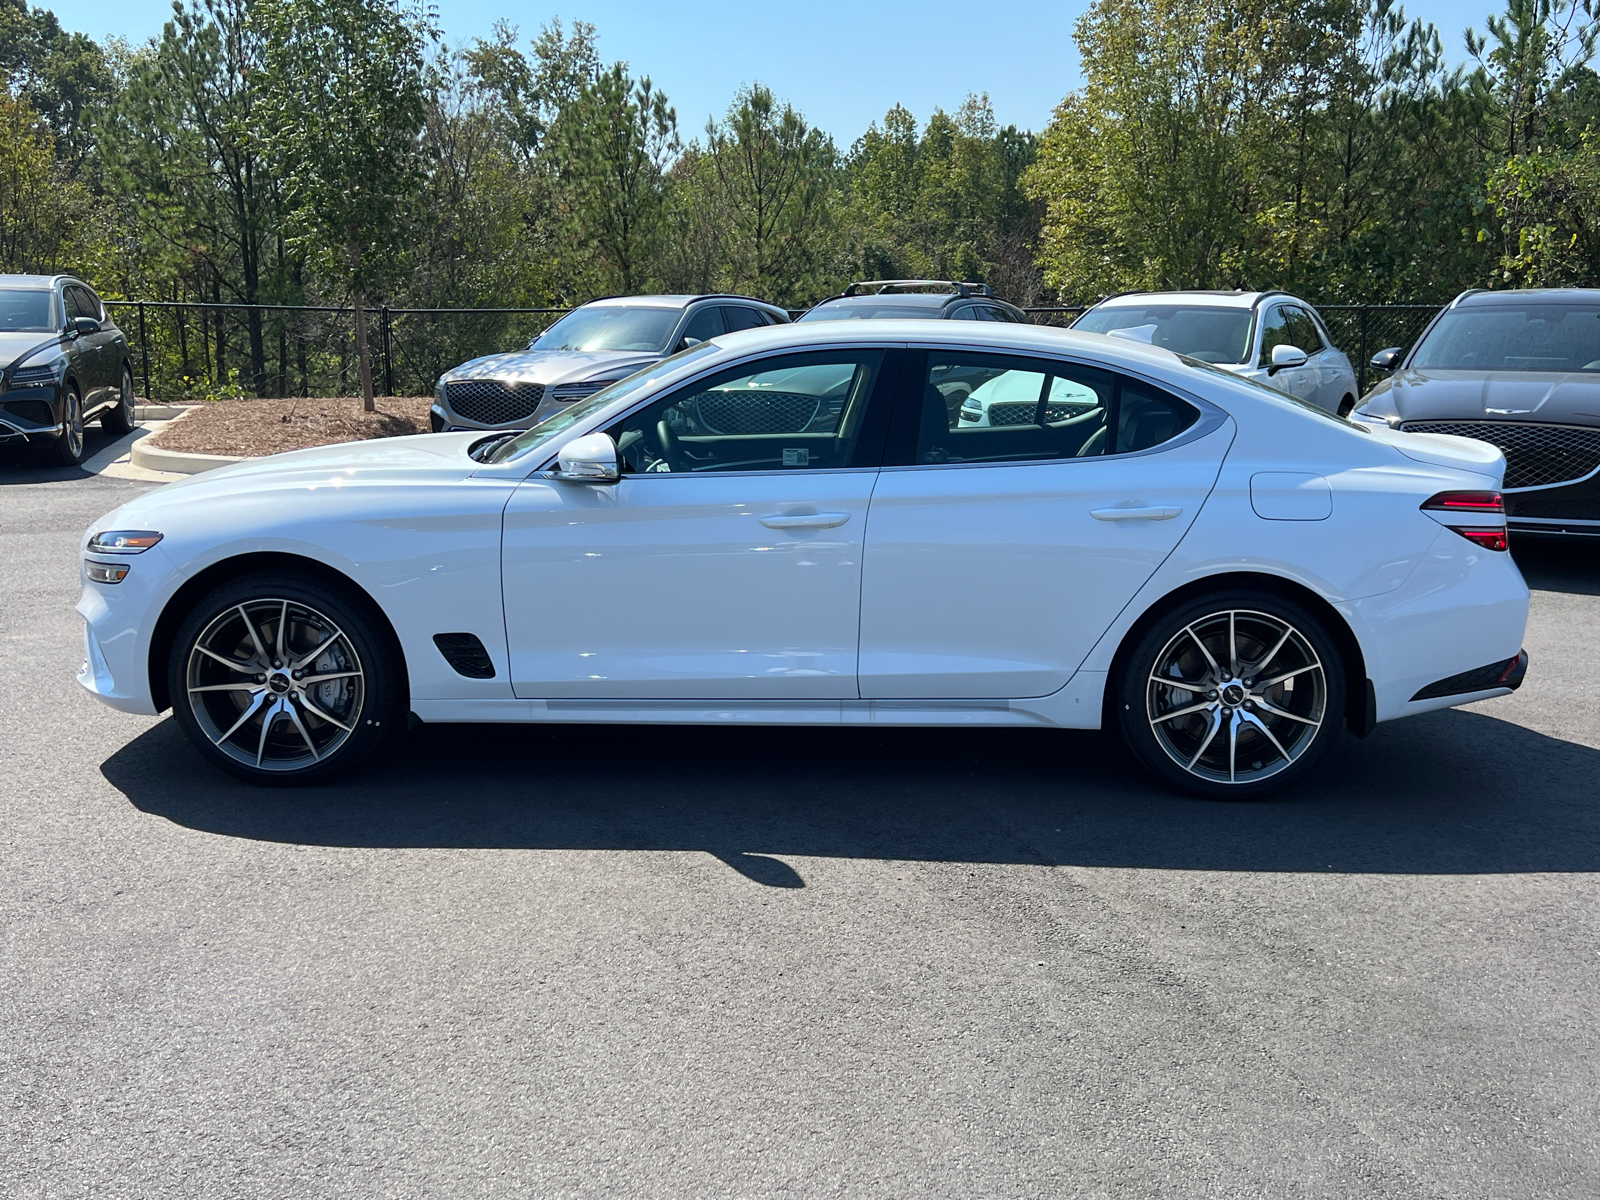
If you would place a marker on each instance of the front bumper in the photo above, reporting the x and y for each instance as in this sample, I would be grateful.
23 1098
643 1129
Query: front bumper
30 412
1571 509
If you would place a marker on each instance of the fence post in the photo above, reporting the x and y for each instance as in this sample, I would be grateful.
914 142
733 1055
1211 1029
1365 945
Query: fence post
388 360
144 355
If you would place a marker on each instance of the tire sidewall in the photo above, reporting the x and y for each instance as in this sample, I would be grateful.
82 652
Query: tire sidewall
61 449
382 701
1130 691
119 420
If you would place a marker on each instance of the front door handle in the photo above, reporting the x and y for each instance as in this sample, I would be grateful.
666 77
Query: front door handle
1163 512
807 521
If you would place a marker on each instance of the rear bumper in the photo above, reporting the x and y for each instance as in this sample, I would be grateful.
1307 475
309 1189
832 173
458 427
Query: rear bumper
1493 677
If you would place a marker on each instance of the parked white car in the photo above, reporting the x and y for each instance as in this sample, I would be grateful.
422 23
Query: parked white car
1270 337
794 525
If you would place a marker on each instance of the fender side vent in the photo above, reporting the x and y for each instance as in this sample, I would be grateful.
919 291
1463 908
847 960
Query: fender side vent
466 654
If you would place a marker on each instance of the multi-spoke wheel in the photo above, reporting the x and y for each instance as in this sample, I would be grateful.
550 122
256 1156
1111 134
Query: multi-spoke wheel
66 449
282 680
119 420
1233 696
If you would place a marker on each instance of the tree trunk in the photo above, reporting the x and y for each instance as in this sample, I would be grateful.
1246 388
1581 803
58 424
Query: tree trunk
363 360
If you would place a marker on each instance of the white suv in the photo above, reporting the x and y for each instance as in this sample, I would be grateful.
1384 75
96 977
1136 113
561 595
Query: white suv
1270 337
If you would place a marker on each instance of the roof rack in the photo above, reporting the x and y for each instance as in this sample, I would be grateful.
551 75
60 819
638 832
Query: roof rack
1465 294
880 286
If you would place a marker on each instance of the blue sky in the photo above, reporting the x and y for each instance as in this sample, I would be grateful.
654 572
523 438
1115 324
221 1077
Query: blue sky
841 63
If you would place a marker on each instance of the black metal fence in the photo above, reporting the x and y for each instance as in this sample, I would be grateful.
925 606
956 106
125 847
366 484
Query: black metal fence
187 350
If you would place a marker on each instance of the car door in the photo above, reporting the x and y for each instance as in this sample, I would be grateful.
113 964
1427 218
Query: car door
725 563
88 349
1281 327
1320 358
997 556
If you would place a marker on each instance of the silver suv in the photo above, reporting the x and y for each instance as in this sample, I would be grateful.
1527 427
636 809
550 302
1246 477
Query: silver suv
592 346
1271 337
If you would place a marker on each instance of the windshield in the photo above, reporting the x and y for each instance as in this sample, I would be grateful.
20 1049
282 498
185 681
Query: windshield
566 418
868 312
27 310
1213 335
1528 337
610 327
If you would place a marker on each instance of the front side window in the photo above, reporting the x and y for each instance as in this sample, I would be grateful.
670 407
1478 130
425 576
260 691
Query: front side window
1302 329
1207 332
1274 332
1513 337
791 412
27 310
704 324
610 327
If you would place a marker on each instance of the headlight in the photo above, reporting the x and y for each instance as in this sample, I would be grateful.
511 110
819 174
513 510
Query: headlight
99 572
123 541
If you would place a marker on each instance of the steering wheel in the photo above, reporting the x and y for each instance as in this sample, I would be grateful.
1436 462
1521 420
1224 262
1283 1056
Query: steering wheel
669 444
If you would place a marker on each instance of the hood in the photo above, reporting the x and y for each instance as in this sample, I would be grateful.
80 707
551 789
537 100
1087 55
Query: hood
552 366
1564 398
13 344
423 457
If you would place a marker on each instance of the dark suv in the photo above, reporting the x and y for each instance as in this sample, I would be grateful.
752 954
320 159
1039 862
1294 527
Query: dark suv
1520 370
592 346
916 299
62 363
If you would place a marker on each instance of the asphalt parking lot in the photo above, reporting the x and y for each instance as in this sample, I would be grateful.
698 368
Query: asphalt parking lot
750 963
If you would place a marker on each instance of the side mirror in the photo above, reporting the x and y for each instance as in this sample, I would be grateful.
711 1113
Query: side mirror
1388 360
1286 356
685 342
80 325
591 458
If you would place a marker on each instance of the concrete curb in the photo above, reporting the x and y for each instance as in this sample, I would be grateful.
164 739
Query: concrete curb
154 458
160 412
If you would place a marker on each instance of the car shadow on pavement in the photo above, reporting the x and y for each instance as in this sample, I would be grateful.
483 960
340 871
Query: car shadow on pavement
1446 793
1559 564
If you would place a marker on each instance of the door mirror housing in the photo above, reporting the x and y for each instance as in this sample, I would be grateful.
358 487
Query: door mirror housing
1388 360
79 325
591 458
685 342
1284 356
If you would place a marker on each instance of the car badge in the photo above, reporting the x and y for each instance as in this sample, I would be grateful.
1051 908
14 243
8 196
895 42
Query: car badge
1507 412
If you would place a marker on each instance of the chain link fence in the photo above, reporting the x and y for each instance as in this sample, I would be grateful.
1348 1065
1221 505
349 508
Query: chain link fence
186 350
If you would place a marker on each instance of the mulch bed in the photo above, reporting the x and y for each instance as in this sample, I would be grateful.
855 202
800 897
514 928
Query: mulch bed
247 428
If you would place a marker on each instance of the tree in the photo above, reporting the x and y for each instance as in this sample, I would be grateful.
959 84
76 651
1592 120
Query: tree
342 106
38 209
613 143
775 174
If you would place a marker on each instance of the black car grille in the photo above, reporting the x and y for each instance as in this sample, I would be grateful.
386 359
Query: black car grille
490 402
1536 455
36 411
1020 412
755 411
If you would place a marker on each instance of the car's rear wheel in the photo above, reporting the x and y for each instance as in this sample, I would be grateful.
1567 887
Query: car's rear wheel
281 679
66 448
119 420
1233 695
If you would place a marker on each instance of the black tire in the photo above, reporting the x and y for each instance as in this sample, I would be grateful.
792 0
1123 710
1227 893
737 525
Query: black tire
119 420
319 701
66 449
1195 715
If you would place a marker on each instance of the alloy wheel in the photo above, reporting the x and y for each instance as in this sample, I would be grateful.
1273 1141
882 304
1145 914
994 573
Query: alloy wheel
72 425
275 684
1236 696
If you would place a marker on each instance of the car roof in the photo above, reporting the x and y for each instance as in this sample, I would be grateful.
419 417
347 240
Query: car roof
1197 299
672 301
913 299
1488 299
34 282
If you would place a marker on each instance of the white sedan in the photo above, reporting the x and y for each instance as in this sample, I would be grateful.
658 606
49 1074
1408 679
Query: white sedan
795 526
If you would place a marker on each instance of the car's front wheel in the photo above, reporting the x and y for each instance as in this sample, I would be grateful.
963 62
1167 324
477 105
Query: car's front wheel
1233 695
66 448
281 679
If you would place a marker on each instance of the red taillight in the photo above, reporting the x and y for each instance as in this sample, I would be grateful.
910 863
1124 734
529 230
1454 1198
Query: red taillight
1476 503
1489 539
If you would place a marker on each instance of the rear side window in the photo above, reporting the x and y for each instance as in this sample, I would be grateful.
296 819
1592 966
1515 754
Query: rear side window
742 318
966 407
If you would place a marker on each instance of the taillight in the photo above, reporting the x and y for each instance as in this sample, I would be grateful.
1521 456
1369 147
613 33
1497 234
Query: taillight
1474 507
1489 539
1476 503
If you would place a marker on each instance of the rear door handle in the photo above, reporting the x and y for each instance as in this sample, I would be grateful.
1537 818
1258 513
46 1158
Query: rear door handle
807 521
1163 512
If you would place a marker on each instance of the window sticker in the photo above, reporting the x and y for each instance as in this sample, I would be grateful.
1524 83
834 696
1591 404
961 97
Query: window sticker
797 458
